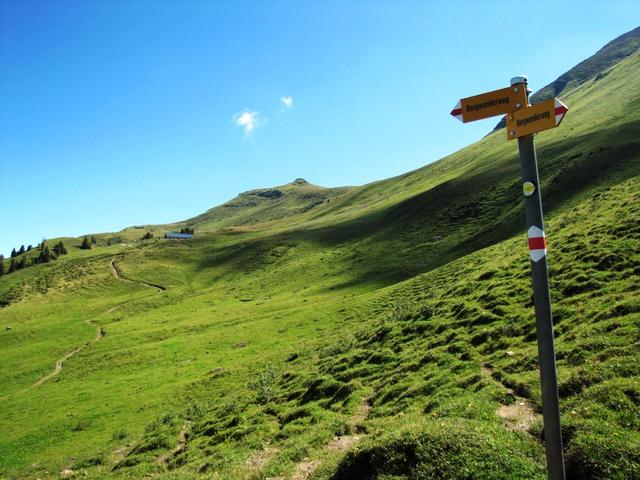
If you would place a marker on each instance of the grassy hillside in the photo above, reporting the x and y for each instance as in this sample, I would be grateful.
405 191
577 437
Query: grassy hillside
383 331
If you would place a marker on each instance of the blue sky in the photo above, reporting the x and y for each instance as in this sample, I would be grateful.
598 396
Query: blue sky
120 113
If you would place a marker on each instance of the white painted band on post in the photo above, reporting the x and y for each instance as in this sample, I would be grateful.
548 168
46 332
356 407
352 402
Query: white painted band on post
537 243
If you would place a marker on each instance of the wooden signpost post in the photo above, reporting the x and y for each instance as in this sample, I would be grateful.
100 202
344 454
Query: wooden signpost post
523 121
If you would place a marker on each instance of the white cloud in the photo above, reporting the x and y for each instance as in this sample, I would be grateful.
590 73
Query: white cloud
287 101
248 121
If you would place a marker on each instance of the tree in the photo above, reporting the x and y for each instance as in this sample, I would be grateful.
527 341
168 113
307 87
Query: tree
85 244
22 250
29 248
45 255
22 263
59 248
13 253
147 236
12 267
1 265
94 241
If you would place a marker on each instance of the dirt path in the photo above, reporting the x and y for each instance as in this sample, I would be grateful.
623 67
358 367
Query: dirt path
58 366
521 414
99 330
116 273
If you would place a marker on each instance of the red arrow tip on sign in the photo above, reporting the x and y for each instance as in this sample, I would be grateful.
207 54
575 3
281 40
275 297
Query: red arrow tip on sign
560 111
457 111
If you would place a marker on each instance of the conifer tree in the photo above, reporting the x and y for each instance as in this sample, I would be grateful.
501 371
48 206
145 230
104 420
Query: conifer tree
93 240
29 248
13 253
63 249
22 263
45 255
22 250
1 265
12 267
59 248
85 244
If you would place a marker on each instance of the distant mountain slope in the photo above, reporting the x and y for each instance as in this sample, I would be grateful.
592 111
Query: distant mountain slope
266 204
593 68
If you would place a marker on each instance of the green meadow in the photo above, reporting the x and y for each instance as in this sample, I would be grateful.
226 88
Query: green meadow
383 331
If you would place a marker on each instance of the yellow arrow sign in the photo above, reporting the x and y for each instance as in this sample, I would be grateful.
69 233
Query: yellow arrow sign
536 118
490 104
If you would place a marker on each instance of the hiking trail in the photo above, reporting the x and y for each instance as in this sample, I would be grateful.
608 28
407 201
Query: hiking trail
115 272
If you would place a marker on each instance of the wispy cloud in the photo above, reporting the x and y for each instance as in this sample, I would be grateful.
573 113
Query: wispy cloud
287 101
248 121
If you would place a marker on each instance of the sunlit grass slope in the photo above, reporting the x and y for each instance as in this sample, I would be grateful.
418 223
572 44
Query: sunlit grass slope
366 332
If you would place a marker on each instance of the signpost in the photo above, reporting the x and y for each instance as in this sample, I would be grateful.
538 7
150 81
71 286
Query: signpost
490 104
523 120
536 118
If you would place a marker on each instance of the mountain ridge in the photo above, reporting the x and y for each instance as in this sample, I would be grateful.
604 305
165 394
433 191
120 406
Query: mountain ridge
593 68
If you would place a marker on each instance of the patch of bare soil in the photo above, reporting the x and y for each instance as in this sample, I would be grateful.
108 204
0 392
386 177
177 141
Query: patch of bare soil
520 415
338 444
259 459
305 469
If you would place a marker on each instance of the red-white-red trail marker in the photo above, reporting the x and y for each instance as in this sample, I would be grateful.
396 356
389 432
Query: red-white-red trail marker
537 243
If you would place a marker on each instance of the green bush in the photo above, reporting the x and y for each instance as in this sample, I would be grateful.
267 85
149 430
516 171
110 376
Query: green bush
264 384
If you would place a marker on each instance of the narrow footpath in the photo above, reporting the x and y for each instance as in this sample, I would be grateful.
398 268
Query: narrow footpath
115 272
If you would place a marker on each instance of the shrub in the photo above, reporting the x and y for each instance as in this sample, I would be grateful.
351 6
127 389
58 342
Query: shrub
195 410
402 310
264 384
119 435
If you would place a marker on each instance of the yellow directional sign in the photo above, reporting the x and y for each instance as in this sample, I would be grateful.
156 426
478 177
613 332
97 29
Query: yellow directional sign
490 104
536 118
